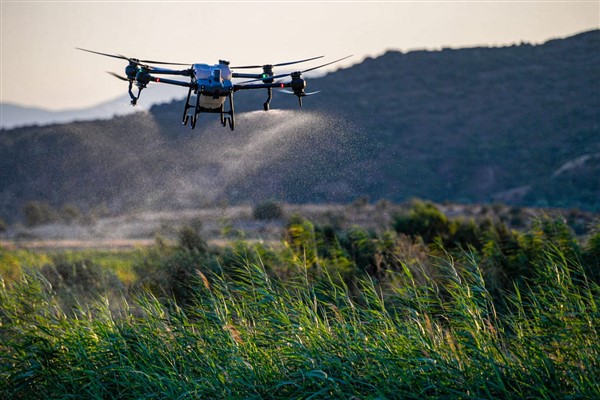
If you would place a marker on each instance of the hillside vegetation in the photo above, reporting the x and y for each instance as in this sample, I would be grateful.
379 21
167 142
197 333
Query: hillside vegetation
433 307
518 124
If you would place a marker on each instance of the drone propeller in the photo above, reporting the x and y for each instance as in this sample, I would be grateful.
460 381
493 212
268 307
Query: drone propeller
119 76
303 94
133 60
300 94
324 65
276 65
299 72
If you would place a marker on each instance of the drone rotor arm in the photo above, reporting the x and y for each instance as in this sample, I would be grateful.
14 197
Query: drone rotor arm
170 81
262 79
166 71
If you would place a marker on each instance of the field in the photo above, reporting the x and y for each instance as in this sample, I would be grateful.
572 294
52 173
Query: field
351 302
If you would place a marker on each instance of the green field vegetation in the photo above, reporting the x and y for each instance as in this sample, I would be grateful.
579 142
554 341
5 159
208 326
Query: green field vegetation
429 307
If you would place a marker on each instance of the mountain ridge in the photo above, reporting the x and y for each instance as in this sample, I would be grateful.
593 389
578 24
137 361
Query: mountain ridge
517 124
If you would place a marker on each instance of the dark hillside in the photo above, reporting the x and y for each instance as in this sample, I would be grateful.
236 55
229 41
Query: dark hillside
517 124
143 161
484 123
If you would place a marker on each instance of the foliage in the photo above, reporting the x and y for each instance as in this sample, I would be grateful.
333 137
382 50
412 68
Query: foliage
39 213
501 314
175 273
70 213
13 261
79 280
424 219
252 336
190 239
267 210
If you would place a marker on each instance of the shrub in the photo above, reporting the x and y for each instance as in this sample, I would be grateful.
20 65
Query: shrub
267 211
39 213
300 239
190 239
175 273
79 280
591 254
423 219
70 213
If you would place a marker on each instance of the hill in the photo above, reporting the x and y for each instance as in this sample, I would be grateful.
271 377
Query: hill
14 116
518 124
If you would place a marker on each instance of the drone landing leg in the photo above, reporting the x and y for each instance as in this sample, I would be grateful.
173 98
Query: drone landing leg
133 98
187 107
196 110
270 96
223 120
231 112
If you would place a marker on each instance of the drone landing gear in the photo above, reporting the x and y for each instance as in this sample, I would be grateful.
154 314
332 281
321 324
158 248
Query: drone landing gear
134 98
268 102
187 116
227 117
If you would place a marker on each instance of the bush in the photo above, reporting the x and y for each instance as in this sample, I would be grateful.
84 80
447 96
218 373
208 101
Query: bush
267 211
70 214
79 280
175 273
39 213
190 239
423 219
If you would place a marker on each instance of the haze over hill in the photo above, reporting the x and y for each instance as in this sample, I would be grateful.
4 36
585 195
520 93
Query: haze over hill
14 116
517 124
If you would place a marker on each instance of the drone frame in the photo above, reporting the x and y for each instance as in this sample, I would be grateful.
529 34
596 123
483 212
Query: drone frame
141 73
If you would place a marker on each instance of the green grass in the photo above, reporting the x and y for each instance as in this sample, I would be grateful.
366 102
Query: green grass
248 335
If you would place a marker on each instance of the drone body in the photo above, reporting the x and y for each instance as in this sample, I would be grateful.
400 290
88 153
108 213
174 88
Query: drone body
210 87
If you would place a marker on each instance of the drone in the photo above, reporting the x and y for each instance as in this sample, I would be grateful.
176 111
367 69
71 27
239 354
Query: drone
211 86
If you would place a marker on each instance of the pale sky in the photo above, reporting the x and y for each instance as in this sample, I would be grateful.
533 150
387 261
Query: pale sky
40 66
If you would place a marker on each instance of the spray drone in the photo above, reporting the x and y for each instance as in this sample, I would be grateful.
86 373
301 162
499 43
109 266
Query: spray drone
210 86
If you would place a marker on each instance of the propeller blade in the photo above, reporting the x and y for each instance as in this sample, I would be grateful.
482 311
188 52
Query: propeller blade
134 60
289 74
276 65
162 62
118 76
324 65
287 91
103 54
